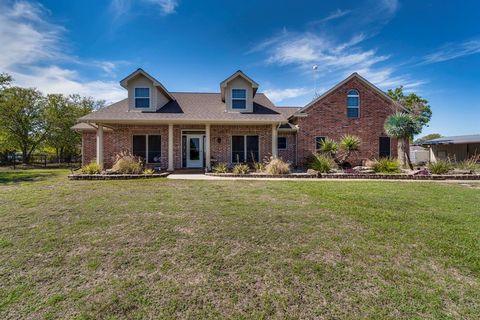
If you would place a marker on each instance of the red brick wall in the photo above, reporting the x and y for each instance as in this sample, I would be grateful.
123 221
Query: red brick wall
328 118
121 139
289 153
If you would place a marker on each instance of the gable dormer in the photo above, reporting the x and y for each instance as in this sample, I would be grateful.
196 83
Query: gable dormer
145 93
237 91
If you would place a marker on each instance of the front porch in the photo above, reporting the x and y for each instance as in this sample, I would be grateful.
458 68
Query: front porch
181 146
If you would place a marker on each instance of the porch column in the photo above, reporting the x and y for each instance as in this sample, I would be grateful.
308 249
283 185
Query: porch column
170 147
274 140
207 147
100 145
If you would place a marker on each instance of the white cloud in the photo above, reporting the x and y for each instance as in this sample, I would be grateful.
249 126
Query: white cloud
121 8
277 95
333 15
36 50
453 51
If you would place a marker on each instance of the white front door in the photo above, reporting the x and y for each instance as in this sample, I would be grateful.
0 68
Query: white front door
194 151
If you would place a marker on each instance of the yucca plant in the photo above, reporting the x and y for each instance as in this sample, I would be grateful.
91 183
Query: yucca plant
220 168
241 168
440 167
340 152
403 127
386 165
329 147
91 168
321 162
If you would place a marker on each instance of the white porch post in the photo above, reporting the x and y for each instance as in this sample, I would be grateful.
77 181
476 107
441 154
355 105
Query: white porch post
274 140
208 164
170 147
100 145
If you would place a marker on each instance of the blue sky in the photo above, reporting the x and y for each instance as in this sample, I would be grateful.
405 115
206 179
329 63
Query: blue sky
88 46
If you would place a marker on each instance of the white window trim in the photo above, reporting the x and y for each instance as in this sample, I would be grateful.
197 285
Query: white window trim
358 106
286 143
146 146
244 146
232 98
135 97
315 142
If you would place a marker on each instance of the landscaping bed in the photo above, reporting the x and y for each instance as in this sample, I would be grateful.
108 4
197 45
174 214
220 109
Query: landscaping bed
353 176
82 176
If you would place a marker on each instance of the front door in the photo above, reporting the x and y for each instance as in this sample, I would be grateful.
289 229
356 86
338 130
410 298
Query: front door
194 151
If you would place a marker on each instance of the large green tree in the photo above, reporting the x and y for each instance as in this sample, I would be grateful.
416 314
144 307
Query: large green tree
403 126
22 118
413 104
62 113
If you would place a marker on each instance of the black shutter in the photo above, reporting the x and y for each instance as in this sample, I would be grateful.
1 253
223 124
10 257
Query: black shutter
384 147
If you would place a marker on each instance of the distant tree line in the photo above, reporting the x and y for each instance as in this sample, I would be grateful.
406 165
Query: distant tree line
31 121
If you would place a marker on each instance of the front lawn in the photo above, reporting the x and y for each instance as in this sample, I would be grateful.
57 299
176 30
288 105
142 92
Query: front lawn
237 249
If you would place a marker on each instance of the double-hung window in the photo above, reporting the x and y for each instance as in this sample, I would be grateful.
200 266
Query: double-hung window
239 99
353 104
142 98
148 147
245 149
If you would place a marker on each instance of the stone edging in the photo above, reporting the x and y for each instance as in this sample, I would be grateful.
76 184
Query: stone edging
116 176
355 176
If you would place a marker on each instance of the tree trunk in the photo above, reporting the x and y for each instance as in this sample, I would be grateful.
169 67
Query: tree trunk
24 155
407 153
401 152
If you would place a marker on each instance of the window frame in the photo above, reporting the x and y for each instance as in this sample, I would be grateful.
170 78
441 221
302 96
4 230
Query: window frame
147 147
245 147
242 99
135 97
357 95
315 142
286 143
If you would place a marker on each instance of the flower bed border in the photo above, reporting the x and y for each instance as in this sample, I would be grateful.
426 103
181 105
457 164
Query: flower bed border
371 176
116 176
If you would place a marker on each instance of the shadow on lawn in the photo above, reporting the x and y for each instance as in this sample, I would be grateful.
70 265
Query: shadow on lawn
11 176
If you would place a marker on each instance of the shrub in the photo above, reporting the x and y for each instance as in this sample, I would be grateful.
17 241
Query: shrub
259 166
148 171
241 168
277 166
440 167
220 168
91 168
321 163
469 164
386 165
127 163
329 146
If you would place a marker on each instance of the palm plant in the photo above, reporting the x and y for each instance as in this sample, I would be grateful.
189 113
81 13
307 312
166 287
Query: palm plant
402 126
347 145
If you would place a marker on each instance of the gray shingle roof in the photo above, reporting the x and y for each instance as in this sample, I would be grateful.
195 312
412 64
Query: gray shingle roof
190 106
473 138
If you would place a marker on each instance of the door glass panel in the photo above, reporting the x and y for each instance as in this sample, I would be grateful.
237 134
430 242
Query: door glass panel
194 149
238 149
252 149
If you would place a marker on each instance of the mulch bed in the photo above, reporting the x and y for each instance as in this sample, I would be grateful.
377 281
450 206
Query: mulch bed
355 176
116 176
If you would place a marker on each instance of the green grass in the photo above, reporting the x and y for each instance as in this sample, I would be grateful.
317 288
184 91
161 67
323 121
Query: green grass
237 249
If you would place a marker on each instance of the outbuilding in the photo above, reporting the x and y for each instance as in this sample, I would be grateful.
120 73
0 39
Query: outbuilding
455 148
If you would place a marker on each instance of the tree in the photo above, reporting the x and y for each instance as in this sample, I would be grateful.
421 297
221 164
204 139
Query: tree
62 113
22 119
413 104
347 145
5 80
403 126
430 136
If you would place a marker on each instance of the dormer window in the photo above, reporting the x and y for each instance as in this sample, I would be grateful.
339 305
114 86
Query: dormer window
353 104
239 99
142 98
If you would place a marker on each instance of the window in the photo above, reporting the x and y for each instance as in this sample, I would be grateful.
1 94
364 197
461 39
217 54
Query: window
239 98
148 147
353 104
142 97
384 147
282 143
318 143
245 148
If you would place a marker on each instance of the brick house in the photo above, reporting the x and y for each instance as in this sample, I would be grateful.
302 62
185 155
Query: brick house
173 130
